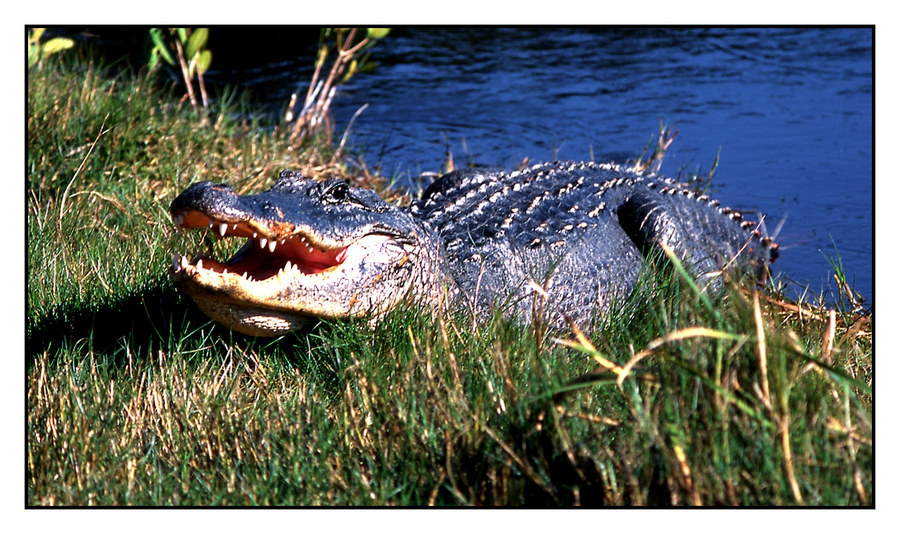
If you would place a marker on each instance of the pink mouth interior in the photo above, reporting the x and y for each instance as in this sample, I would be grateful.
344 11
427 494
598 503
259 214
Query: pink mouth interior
260 262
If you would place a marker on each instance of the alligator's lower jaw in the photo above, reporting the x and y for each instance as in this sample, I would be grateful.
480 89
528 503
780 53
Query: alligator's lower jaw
224 296
249 320
235 300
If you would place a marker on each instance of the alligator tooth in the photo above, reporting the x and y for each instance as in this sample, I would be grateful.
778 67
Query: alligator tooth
288 266
200 263
272 244
212 223
244 276
262 242
255 235
234 226
222 229
183 262
224 271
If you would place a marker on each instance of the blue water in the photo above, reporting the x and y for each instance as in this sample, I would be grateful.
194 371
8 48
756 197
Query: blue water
788 110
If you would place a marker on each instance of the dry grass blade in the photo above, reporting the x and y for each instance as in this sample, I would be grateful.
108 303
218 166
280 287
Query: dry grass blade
583 344
761 351
678 335
686 472
340 149
828 337
526 468
788 459
62 201
797 308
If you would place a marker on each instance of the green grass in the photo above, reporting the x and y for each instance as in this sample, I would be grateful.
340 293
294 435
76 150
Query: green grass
134 398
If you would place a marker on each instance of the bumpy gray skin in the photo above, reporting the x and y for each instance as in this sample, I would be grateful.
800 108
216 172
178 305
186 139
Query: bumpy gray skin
578 231
566 240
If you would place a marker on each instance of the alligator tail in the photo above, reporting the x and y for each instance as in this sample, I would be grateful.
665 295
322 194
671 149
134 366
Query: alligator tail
707 238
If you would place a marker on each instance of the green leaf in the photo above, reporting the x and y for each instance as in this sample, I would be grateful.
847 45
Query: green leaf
159 44
366 64
196 42
199 63
34 54
35 36
351 70
367 67
57 44
323 54
377 33
154 58
203 61
182 34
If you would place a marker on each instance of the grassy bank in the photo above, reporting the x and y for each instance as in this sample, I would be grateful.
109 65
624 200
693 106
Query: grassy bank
134 398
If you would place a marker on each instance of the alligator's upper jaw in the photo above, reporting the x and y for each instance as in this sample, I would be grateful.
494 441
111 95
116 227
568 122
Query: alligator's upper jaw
282 276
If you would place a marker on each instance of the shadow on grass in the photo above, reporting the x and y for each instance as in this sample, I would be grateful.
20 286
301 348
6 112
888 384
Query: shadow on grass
138 325
140 318
530 463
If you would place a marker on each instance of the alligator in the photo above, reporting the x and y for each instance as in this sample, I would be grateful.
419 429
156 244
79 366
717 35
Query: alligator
559 241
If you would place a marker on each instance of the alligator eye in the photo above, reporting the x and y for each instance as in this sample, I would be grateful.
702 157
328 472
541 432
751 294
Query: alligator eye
338 191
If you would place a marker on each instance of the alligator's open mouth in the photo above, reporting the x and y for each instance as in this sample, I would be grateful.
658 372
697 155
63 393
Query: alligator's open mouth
275 282
264 256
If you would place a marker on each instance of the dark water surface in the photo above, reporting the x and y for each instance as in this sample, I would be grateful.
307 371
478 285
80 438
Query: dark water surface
790 109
